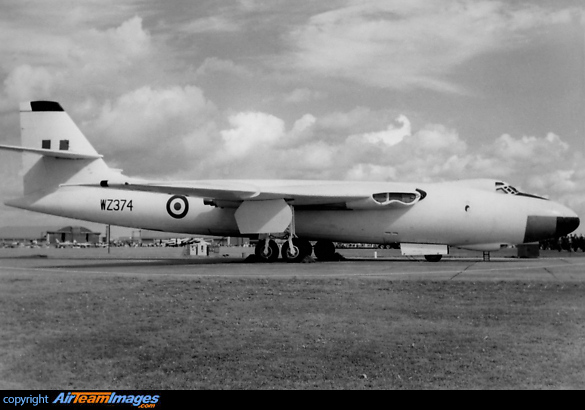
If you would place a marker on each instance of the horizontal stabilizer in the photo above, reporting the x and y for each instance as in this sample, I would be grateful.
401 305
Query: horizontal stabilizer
51 153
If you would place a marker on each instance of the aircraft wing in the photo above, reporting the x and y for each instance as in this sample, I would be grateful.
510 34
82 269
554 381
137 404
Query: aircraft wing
325 194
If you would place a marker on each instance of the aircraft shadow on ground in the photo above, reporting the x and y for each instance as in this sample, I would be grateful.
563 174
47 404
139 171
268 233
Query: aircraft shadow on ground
128 263
120 263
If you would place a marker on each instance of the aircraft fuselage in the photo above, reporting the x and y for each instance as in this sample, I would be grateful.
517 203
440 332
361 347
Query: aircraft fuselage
450 214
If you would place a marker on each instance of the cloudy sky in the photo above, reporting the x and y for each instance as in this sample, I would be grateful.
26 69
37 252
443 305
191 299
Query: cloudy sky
389 90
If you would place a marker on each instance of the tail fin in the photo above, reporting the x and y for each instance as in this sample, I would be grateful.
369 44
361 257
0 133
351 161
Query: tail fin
66 156
44 124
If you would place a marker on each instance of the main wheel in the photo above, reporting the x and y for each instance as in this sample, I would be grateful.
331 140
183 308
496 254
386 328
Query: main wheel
433 258
267 255
324 250
300 250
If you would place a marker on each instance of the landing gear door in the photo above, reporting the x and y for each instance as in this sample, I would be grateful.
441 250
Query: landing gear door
272 216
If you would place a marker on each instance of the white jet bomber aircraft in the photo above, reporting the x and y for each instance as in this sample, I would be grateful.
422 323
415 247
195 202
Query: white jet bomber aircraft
65 176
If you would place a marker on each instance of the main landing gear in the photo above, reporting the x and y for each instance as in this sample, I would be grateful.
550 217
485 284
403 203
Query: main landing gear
324 250
295 249
267 250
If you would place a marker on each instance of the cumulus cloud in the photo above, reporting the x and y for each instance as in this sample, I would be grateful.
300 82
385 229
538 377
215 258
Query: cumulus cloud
251 131
531 148
261 145
391 136
123 44
170 126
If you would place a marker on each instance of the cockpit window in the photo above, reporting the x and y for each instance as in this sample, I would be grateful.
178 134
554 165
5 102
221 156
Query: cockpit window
508 189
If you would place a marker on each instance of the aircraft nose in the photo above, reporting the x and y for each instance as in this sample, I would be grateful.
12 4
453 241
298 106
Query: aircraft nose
561 223
566 225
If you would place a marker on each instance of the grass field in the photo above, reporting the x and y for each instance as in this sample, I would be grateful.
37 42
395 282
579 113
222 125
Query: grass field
94 331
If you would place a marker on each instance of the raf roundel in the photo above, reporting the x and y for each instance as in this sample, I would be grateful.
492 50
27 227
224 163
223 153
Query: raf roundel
177 206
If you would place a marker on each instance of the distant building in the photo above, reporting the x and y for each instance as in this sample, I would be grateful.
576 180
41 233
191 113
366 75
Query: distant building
77 234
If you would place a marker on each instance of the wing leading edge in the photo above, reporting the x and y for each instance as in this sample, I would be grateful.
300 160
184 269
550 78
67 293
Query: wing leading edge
336 195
